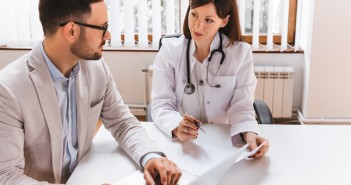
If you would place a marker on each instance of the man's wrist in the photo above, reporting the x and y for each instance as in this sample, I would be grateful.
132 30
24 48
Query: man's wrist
150 156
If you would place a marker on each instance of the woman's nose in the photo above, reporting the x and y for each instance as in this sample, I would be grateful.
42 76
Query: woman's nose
198 24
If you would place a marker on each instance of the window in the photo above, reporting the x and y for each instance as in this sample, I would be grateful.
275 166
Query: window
274 18
267 24
142 21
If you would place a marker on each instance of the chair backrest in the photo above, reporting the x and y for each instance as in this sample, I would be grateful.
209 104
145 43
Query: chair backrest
177 35
264 115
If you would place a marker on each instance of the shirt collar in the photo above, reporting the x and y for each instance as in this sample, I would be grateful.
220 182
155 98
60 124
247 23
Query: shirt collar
55 73
214 44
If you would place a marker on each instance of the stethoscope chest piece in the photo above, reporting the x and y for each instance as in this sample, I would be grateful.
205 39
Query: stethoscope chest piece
189 88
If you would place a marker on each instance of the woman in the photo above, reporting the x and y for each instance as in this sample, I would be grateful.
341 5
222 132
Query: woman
207 73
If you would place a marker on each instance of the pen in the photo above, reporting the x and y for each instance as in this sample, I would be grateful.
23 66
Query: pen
196 123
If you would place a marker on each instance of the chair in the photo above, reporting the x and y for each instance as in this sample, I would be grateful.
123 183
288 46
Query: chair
263 114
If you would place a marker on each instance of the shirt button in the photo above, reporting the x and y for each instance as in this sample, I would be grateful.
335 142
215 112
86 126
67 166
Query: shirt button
184 81
208 102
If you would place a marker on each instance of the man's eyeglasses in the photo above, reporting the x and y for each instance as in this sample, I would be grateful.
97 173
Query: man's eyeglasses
103 28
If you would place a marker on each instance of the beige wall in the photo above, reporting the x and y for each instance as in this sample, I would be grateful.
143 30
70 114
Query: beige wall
327 94
126 68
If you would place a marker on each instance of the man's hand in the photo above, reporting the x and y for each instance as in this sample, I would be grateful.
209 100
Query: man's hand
168 172
254 140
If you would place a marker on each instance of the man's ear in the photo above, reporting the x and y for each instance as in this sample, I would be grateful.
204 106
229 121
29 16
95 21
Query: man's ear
225 21
71 32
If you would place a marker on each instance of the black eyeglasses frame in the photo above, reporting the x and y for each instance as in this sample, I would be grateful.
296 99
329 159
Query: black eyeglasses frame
104 28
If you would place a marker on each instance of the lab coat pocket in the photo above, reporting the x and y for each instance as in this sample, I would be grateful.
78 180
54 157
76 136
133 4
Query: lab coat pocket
226 90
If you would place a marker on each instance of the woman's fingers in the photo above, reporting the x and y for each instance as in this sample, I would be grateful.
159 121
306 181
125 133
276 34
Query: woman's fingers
255 141
187 130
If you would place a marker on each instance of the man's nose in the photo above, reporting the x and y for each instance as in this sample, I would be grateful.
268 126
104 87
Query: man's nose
107 35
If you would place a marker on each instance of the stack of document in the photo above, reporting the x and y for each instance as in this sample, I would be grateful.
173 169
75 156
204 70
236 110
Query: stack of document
200 161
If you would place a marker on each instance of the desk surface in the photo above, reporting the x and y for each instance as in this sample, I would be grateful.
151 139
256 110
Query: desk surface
299 154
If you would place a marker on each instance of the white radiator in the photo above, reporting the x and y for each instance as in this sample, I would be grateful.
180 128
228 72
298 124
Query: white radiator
275 88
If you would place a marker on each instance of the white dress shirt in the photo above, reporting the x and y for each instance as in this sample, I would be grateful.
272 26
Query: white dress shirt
232 103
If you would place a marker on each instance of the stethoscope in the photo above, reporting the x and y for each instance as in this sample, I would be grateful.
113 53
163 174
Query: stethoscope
189 87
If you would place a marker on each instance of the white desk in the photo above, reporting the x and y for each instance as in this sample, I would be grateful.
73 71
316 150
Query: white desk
299 154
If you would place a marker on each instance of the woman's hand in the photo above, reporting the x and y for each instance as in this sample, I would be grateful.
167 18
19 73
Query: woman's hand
255 140
187 128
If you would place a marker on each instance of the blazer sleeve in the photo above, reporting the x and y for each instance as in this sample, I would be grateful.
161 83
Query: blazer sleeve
124 127
241 114
12 141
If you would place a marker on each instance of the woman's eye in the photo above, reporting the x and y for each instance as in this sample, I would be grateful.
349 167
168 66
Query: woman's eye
193 14
208 20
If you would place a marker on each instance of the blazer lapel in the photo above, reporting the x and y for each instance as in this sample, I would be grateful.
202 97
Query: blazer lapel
45 89
83 105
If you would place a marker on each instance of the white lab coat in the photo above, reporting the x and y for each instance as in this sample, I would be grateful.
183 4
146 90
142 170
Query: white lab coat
232 103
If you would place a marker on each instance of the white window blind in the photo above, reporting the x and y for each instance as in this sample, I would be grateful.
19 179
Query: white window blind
143 18
115 24
256 25
140 23
269 18
20 25
156 22
129 20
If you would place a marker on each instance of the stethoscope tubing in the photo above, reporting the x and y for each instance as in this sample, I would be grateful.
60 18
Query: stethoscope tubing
189 87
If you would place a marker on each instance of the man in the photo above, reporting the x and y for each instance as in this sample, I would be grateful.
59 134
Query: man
52 98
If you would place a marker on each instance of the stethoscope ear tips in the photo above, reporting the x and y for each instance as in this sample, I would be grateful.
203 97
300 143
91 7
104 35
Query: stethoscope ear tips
217 86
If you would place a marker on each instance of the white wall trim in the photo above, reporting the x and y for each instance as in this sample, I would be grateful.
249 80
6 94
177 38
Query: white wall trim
304 120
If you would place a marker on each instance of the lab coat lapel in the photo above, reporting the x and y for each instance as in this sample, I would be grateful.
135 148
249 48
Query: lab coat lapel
191 55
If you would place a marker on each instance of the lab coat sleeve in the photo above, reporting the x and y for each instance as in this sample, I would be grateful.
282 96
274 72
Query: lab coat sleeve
241 114
164 109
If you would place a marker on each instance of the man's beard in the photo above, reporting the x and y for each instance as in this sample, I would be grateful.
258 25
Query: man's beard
82 50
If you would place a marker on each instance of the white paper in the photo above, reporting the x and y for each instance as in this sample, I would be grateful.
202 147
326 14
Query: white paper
197 159
246 155
209 161
137 178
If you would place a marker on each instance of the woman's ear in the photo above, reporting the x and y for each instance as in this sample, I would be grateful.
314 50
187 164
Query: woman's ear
225 21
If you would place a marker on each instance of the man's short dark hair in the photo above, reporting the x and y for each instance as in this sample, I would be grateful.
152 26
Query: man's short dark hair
54 12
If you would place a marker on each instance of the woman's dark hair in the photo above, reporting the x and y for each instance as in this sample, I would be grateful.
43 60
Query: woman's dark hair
223 8
54 12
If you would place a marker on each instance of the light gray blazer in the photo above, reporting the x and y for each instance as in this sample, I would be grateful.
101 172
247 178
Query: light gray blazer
30 123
